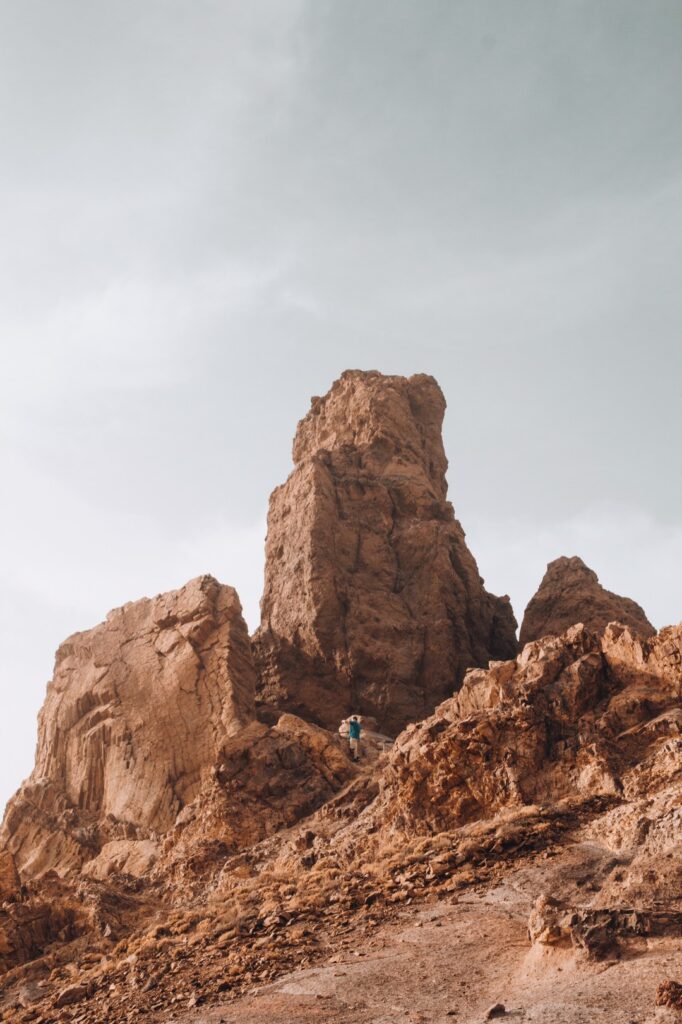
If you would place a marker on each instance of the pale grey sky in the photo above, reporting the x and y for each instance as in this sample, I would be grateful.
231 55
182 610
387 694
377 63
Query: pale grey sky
212 208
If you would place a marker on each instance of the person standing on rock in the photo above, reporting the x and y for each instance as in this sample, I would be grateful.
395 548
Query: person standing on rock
354 730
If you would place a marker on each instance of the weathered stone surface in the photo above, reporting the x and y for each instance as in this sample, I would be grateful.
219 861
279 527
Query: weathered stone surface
137 711
373 603
202 853
10 885
572 715
569 593
669 993
265 779
33 921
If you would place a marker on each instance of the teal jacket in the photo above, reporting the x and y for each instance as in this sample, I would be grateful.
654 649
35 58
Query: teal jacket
354 730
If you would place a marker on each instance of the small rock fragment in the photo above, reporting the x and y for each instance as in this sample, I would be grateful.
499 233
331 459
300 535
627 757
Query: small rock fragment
669 993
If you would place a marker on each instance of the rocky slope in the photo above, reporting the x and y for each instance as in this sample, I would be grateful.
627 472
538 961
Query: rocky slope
188 852
570 592
373 603
574 716
540 805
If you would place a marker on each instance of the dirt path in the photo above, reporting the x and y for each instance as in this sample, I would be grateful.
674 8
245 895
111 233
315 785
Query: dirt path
448 963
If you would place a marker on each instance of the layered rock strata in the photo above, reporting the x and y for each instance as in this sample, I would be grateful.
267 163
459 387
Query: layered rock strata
137 712
372 603
569 593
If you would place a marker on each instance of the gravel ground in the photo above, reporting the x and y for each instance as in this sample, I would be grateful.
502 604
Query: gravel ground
449 963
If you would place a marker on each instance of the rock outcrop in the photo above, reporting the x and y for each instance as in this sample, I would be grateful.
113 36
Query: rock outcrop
266 779
569 593
543 798
575 716
137 712
373 602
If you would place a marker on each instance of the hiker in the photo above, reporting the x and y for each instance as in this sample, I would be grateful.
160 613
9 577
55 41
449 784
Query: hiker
354 729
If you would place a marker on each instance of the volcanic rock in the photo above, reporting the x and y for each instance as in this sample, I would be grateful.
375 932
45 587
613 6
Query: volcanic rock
373 603
569 593
138 710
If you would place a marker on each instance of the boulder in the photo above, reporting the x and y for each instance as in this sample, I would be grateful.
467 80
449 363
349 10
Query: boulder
373 602
569 593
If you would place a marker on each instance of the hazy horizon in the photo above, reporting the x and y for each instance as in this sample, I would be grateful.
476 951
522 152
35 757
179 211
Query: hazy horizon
211 210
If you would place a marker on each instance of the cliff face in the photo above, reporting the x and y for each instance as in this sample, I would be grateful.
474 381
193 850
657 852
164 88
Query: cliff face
138 709
372 601
570 592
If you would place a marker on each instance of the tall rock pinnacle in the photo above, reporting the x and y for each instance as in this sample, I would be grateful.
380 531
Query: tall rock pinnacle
372 602
570 592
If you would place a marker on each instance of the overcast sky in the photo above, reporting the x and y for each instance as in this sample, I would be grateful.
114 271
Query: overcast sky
209 209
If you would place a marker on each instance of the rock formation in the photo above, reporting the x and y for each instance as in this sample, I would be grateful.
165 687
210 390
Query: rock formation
265 779
372 600
569 593
139 707
181 846
573 716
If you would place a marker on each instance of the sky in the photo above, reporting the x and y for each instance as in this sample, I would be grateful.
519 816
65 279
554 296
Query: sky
211 208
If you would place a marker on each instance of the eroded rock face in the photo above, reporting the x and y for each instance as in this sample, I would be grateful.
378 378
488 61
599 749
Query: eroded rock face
266 779
137 712
10 884
373 603
573 716
569 593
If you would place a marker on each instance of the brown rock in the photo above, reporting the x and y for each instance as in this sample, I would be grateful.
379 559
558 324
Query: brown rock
570 716
570 592
373 603
70 995
669 993
10 885
136 713
266 778
49 912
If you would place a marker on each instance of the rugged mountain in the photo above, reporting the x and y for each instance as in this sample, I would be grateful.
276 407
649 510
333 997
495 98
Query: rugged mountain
182 841
569 593
532 823
373 602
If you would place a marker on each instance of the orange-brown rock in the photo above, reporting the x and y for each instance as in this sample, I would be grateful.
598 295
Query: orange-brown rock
669 993
136 714
573 716
569 593
266 778
373 602
10 884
